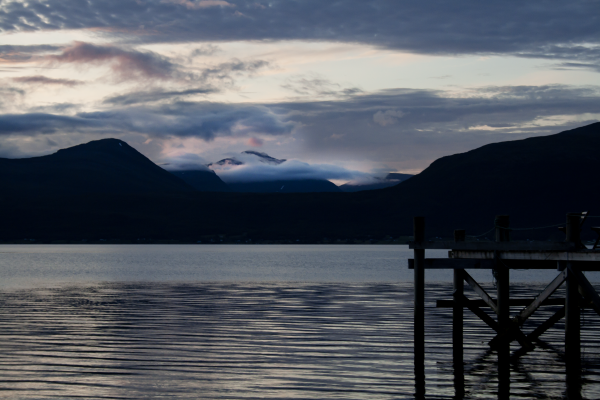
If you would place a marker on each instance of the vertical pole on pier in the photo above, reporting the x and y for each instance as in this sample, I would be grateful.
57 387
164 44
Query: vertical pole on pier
457 325
419 317
573 316
503 299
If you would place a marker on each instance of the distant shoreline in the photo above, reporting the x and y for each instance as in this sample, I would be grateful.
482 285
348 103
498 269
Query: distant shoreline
259 242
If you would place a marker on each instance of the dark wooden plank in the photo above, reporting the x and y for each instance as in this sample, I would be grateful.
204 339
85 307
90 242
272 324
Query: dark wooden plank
419 308
549 323
513 303
541 298
572 321
458 263
481 314
591 257
480 291
457 329
491 246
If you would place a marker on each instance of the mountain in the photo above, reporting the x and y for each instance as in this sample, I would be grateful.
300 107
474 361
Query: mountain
101 166
395 176
391 179
536 181
285 186
226 161
264 157
202 181
275 185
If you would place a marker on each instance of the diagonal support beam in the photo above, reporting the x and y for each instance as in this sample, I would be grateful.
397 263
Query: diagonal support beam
547 292
549 323
481 292
588 289
480 313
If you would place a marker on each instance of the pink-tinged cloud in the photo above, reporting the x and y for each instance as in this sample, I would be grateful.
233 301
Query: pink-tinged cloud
126 64
43 80
255 142
195 5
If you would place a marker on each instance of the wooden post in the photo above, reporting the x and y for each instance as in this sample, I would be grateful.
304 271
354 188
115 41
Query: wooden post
573 229
503 304
457 325
572 336
419 317
572 315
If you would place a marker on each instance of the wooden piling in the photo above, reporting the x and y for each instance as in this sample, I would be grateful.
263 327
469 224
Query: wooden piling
572 335
419 316
572 312
503 304
457 325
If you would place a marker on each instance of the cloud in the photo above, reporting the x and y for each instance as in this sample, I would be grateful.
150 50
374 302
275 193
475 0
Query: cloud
254 170
205 50
195 5
43 80
388 117
198 120
40 123
255 142
427 124
435 123
125 64
128 63
225 72
185 162
552 29
18 54
156 96
314 85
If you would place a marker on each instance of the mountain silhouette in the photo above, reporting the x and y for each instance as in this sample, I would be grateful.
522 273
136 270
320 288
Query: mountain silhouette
100 166
391 179
536 181
203 181
285 186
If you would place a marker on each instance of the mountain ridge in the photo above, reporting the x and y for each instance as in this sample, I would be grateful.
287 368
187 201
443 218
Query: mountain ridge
536 181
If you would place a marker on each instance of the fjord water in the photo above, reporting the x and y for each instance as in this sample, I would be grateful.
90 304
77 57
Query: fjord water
229 321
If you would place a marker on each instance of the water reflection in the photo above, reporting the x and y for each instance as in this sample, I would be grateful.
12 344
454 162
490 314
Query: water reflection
233 340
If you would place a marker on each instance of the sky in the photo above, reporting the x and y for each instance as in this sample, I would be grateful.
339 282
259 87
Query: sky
344 90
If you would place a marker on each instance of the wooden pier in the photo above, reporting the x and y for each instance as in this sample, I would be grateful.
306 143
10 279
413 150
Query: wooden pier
568 258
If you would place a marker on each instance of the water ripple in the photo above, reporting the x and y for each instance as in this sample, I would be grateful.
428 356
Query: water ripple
258 340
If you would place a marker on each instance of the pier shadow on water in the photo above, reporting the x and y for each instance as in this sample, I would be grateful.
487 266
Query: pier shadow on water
258 340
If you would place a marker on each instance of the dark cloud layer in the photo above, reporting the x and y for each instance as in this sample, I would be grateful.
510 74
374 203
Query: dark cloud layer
156 95
14 54
546 28
313 85
407 127
125 63
43 80
202 120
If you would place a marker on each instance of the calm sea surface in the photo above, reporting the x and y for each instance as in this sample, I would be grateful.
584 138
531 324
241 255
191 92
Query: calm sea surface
258 321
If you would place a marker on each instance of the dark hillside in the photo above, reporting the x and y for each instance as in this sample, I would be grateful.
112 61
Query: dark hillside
536 181
203 181
101 166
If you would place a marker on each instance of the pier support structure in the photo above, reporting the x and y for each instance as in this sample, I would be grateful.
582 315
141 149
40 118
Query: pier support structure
571 257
